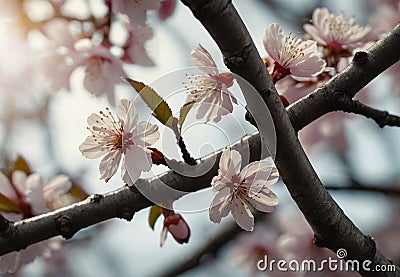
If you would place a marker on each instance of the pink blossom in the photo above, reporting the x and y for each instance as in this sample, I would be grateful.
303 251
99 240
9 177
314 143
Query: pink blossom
33 197
291 55
237 190
113 138
210 90
336 32
102 71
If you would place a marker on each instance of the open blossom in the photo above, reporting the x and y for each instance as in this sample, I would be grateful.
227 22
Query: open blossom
336 32
113 138
210 90
291 56
33 197
236 189
102 71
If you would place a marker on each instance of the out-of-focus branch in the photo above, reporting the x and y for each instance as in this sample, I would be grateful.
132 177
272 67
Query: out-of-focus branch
357 186
382 118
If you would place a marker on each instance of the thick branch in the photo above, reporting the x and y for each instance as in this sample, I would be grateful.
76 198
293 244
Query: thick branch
382 118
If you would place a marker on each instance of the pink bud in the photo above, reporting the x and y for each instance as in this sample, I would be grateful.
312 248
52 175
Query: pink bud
167 8
178 227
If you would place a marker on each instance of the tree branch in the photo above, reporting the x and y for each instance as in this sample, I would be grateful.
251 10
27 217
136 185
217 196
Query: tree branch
382 118
362 70
323 214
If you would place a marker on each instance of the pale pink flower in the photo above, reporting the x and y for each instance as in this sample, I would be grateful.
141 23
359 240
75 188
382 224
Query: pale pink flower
237 190
210 90
34 197
336 32
291 56
113 138
102 71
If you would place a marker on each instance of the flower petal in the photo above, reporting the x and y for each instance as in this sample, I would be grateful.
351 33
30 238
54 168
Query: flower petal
264 200
137 159
58 185
91 149
241 213
109 164
221 205
201 58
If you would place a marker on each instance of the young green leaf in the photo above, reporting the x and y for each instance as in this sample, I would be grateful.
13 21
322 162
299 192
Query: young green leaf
21 164
184 112
155 102
7 205
154 214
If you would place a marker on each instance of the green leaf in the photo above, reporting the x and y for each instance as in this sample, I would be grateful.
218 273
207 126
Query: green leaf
184 112
78 192
21 164
7 205
154 214
155 102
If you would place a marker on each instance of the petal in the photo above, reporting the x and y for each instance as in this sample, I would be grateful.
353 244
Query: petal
131 119
261 172
221 205
201 58
91 149
273 40
122 108
241 213
58 185
5 186
19 180
34 194
229 163
124 174
264 200
145 134
163 236
137 159
109 164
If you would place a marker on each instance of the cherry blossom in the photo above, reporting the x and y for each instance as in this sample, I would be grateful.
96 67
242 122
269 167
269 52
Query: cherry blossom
33 197
336 32
237 190
290 55
114 137
210 90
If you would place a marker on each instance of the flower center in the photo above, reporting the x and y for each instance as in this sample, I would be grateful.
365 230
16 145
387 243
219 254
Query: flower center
290 50
108 132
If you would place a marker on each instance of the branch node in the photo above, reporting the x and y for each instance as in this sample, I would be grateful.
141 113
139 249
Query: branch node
64 226
126 214
96 198
319 242
360 57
